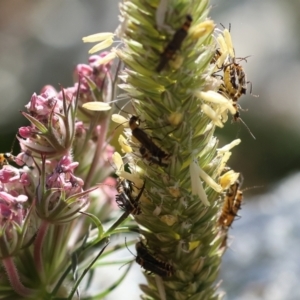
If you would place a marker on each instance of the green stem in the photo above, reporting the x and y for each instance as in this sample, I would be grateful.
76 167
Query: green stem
116 224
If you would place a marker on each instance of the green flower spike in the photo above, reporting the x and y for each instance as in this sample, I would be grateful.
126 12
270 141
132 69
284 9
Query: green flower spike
169 53
168 79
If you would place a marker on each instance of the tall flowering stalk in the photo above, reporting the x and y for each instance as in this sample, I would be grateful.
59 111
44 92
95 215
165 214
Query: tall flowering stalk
171 58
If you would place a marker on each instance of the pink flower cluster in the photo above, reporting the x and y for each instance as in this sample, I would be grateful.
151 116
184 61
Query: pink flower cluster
13 199
94 73
58 157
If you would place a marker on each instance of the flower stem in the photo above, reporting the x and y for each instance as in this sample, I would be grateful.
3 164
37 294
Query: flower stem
116 224
38 247
14 278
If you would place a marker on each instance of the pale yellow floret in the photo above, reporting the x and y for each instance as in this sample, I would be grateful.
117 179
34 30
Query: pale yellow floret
193 245
229 146
222 44
177 62
98 37
197 187
107 58
103 45
124 145
209 180
213 97
96 106
138 182
175 118
222 111
118 161
228 179
221 60
223 105
202 29
224 160
228 41
120 120
212 115
230 107
169 219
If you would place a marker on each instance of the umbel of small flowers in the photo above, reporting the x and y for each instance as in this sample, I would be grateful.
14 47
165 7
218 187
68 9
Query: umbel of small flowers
52 210
170 57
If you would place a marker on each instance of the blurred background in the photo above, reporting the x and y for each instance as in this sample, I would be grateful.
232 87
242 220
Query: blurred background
40 43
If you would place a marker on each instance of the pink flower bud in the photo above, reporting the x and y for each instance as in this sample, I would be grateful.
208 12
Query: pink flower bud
25 132
7 173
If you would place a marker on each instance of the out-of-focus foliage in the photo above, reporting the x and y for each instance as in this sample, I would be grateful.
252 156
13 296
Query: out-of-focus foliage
41 43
